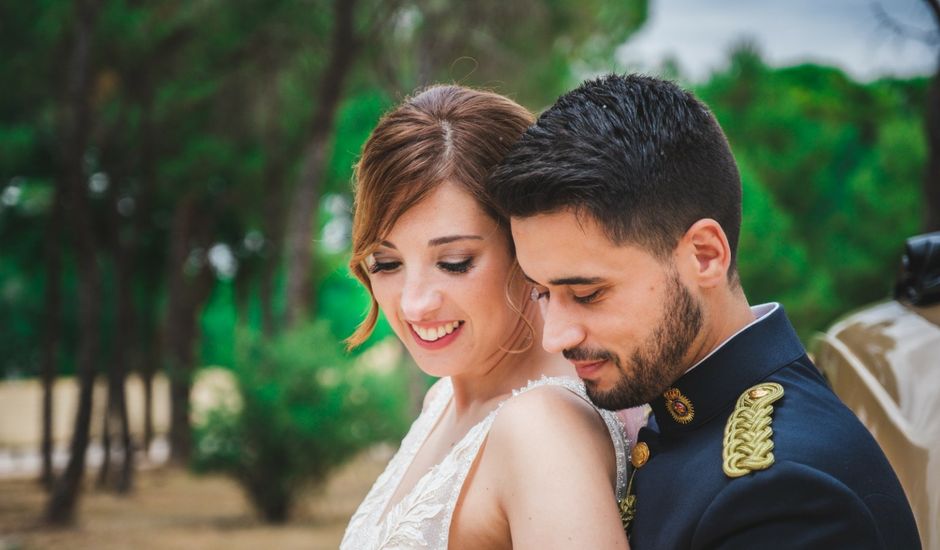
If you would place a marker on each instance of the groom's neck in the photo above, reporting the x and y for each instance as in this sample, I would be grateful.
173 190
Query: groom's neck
723 315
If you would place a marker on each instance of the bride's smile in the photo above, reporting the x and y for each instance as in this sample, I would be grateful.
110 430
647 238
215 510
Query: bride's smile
442 334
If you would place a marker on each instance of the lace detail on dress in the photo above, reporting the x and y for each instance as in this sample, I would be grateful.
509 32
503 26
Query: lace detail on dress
422 518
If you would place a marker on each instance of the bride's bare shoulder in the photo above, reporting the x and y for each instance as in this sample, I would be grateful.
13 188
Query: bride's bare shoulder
553 463
548 415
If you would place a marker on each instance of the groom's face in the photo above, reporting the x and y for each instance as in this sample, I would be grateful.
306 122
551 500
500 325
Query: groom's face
622 316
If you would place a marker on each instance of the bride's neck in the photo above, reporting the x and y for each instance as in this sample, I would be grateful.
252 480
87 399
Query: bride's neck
473 391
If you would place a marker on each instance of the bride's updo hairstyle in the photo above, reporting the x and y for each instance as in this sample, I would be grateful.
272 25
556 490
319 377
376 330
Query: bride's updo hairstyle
442 134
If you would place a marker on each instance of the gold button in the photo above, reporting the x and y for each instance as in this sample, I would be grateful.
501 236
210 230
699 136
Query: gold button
758 393
640 454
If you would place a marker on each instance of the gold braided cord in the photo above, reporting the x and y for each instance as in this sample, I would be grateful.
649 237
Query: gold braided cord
628 505
748 436
627 511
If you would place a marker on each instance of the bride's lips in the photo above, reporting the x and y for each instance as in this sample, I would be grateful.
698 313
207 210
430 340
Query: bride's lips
588 369
438 343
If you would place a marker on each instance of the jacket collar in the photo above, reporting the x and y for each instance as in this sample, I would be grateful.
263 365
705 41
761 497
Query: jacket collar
716 382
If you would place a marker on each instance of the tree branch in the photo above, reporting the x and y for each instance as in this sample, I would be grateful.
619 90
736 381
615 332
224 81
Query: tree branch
929 37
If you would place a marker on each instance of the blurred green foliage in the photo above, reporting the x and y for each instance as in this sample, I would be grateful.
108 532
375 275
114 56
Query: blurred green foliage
831 173
303 409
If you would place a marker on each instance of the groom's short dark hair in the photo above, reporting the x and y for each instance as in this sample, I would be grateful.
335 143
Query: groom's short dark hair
640 155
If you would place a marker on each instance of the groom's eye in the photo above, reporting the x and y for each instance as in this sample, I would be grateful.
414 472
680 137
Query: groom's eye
587 298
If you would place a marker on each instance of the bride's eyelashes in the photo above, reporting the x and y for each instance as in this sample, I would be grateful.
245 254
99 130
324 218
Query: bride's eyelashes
383 267
388 266
462 266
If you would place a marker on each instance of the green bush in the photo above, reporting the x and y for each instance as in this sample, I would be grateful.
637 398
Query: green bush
304 409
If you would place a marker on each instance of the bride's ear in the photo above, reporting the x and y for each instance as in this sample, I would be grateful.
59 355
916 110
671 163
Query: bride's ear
704 254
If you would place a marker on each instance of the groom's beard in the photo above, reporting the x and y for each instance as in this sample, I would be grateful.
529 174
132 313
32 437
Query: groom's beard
657 363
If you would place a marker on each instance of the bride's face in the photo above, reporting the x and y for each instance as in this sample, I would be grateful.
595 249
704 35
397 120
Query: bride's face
440 277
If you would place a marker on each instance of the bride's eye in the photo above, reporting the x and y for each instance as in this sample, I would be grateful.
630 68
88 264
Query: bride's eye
456 267
383 267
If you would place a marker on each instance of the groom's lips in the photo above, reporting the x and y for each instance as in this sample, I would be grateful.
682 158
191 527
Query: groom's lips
587 369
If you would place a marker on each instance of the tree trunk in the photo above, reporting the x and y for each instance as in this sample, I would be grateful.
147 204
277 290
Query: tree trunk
148 334
275 169
151 346
105 468
274 234
189 283
76 126
149 365
51 332
123 245
302 219
181 354
178 354
116 426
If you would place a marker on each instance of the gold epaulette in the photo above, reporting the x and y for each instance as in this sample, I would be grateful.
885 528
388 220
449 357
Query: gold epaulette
748 435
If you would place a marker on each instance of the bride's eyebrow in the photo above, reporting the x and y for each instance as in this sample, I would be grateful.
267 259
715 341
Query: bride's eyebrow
453 238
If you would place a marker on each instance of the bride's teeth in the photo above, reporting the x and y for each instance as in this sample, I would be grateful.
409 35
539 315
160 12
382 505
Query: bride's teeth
432 334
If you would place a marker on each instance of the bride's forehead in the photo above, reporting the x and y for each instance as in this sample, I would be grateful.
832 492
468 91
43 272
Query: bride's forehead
445 210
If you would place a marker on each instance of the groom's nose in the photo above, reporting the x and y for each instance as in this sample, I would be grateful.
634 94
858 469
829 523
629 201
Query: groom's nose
560 332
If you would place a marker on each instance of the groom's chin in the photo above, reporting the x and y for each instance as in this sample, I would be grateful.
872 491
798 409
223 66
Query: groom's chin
616 398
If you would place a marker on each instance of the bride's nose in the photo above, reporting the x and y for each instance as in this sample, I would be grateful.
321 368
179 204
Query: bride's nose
420 298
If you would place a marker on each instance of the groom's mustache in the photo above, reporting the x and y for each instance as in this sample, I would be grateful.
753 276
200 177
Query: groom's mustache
586 354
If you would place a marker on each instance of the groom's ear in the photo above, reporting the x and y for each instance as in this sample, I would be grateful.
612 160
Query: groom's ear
705 254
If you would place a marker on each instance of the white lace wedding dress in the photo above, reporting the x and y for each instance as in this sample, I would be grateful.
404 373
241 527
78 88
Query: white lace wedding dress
422 518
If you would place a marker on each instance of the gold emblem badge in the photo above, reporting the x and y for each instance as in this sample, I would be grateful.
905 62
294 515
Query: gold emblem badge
679 406
640 454
748 436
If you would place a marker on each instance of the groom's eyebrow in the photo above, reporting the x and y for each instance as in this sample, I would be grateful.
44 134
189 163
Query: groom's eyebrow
565 281
571 281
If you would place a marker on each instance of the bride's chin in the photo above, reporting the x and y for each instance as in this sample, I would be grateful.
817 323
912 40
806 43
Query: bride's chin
437 369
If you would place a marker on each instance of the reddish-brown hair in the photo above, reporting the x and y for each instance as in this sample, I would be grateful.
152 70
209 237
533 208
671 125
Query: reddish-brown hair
443 133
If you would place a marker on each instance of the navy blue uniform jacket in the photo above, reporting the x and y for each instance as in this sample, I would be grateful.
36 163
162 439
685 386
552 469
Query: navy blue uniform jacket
829 487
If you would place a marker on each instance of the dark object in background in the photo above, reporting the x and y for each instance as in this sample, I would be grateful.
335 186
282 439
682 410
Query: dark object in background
919 275
882 360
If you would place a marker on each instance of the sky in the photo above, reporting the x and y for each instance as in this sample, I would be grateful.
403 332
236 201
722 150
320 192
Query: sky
844 33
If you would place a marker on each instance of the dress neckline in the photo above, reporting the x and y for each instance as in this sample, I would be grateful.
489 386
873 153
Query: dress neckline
422 517
437 407
435 412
